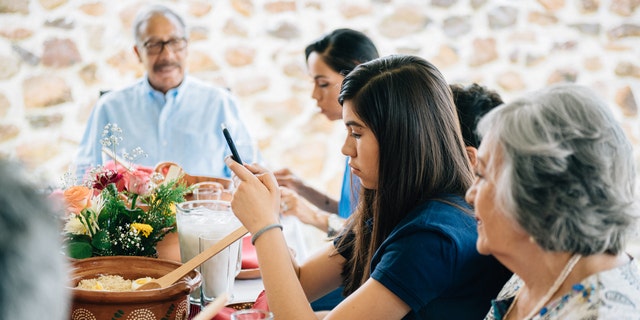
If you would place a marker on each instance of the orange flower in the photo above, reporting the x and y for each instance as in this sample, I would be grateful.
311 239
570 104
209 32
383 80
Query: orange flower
77 198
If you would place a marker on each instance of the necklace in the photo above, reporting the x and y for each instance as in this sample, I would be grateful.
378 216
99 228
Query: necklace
554 288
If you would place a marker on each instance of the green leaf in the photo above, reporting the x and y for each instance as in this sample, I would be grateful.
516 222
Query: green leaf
101 241
79 249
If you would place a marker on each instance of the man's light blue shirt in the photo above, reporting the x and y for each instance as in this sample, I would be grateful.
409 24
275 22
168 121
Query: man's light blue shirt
181 126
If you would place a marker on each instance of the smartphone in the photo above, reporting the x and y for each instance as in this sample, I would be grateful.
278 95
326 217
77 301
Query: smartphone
232 146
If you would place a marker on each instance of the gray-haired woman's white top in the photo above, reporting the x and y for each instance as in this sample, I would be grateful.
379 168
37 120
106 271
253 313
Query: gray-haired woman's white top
611 294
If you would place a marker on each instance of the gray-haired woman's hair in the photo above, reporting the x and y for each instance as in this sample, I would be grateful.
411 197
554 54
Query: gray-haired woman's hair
34 277
568 176
149 11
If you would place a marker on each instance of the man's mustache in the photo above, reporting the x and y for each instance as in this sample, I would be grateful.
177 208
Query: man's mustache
159 66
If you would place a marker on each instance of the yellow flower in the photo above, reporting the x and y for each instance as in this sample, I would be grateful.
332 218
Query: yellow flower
142 227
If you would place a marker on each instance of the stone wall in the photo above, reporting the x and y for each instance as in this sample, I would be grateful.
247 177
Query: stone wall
56 55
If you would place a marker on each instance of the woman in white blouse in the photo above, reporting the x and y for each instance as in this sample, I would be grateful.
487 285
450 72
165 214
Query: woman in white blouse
554 200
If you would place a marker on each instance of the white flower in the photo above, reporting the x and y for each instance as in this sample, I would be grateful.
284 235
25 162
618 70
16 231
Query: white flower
75 226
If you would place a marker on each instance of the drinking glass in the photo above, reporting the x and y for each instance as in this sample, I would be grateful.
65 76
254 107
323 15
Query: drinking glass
202 217
219 272
207 190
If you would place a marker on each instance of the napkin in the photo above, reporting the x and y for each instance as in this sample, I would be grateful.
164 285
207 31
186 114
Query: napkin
249 256
261 303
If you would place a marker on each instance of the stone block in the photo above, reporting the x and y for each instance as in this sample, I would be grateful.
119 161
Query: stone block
625 8
592 29
352 10
198 33
280 6
456 26
593 63
511 81
247 87
40 121
8 132
447 57
295 70
626 101
66 23
26 55
285 30
624 31
126 62
60 53
552 5
51 4
542 18
88 73
45 90
95 9
239 56
484 52
405 20
4 105
235 27
15 34
35 153
443 3
588 6
477 4
502 17
244 7
627 69
199 61
9 66
14 6
199 8
563 75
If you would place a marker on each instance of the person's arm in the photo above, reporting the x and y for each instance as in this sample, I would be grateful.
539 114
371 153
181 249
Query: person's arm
292 204
256 203
319 199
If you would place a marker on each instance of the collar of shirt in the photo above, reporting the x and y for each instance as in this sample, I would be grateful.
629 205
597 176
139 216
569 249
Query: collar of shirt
160 97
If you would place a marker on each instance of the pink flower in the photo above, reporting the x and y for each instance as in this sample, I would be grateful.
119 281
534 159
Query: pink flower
138 181
77 198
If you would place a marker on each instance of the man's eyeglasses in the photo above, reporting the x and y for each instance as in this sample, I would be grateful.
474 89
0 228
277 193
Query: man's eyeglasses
155 47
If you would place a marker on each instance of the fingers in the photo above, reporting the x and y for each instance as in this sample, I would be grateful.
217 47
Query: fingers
239 170
282 172
269 181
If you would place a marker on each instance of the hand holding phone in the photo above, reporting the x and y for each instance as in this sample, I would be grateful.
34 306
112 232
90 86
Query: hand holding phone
234 152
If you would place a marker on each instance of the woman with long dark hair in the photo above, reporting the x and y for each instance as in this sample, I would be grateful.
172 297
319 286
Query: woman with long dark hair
408 251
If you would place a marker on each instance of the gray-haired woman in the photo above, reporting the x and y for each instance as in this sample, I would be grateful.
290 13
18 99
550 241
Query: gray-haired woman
554 200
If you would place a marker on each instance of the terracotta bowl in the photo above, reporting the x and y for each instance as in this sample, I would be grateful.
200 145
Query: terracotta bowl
166 303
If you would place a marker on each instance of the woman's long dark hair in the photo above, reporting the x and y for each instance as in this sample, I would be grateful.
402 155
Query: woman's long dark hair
343 49
408 106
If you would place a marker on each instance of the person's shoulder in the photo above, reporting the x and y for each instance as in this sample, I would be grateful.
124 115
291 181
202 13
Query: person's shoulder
447 214
619 285
445 207
123 93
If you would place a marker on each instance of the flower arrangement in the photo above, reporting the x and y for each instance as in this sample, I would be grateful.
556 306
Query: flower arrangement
119 209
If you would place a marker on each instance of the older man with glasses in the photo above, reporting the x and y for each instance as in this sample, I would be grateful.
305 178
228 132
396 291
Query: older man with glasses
168 114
